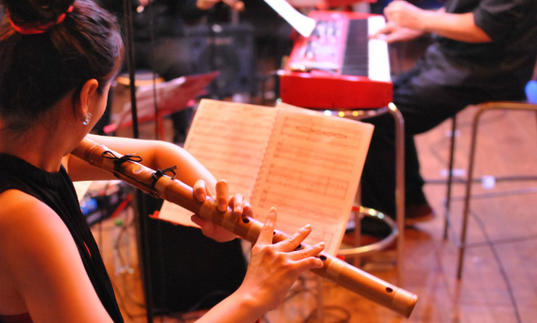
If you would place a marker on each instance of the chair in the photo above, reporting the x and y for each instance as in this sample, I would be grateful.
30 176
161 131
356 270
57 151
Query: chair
481 109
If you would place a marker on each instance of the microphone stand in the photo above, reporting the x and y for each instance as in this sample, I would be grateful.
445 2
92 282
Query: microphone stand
142 223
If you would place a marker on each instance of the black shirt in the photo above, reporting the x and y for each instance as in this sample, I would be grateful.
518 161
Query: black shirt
501 66
57 191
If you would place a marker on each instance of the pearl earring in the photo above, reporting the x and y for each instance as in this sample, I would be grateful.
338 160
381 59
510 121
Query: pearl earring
87 119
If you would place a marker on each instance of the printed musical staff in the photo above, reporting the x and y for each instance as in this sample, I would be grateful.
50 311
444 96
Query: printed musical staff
304 163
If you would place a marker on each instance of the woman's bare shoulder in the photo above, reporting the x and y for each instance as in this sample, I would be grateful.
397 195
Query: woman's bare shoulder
18 210
37 249
26 222
25 228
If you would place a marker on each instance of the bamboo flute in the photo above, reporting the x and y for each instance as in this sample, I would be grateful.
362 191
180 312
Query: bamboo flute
163 186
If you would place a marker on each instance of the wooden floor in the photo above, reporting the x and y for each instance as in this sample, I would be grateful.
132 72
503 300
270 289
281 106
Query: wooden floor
499 282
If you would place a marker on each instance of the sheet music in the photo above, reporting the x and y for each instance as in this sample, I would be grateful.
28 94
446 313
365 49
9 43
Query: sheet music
230 141
304 163
81 188
303 25
311 174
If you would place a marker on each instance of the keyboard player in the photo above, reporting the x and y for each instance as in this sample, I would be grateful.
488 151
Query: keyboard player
481 50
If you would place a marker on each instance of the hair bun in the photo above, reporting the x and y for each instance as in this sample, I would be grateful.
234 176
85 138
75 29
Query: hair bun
35 11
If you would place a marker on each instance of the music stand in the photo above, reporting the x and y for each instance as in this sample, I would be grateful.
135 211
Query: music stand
171 96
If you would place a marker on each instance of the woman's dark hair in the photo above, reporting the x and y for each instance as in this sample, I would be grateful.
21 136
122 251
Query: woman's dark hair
38 69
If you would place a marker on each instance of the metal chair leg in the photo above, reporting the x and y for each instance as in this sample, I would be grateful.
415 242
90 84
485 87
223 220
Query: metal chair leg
468 192
450 176
500 105
399 171
399 177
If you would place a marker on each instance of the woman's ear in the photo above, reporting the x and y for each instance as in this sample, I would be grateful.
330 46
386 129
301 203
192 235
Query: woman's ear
87 96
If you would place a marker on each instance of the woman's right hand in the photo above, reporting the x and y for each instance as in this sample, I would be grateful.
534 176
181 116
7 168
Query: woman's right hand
273 268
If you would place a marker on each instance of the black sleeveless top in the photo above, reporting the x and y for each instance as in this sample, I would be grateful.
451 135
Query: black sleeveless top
57 191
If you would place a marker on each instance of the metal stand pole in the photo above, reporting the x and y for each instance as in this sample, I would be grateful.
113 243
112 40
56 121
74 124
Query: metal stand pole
142 223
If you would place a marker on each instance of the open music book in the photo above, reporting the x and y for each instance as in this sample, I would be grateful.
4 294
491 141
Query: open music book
306 164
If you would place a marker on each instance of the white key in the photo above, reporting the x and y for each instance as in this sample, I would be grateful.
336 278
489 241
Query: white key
379 61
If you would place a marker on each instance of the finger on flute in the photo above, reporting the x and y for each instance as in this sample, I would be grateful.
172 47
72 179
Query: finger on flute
222 194
236 205
200 192
267 231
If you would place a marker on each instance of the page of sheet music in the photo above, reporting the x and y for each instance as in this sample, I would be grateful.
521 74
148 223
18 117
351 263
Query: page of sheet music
311 173
303 25
229 139
81 188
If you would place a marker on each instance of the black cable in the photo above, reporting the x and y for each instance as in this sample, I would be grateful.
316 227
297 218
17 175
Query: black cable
116 245
498 260
530 190
121 301
121 293
504 240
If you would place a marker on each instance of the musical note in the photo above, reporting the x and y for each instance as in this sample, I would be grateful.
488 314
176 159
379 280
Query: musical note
306 164
311 172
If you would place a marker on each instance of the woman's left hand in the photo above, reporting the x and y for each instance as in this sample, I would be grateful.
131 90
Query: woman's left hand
240 208
274 267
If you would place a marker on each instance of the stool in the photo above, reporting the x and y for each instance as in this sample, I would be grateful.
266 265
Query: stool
482 108
399 226
359 213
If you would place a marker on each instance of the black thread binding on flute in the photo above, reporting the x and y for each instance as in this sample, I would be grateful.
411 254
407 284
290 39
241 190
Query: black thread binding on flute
161 172
118 161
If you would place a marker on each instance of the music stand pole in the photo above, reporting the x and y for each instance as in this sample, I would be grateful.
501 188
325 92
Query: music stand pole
142 223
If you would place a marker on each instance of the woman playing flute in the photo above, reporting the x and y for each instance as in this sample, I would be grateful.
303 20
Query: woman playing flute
57 59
